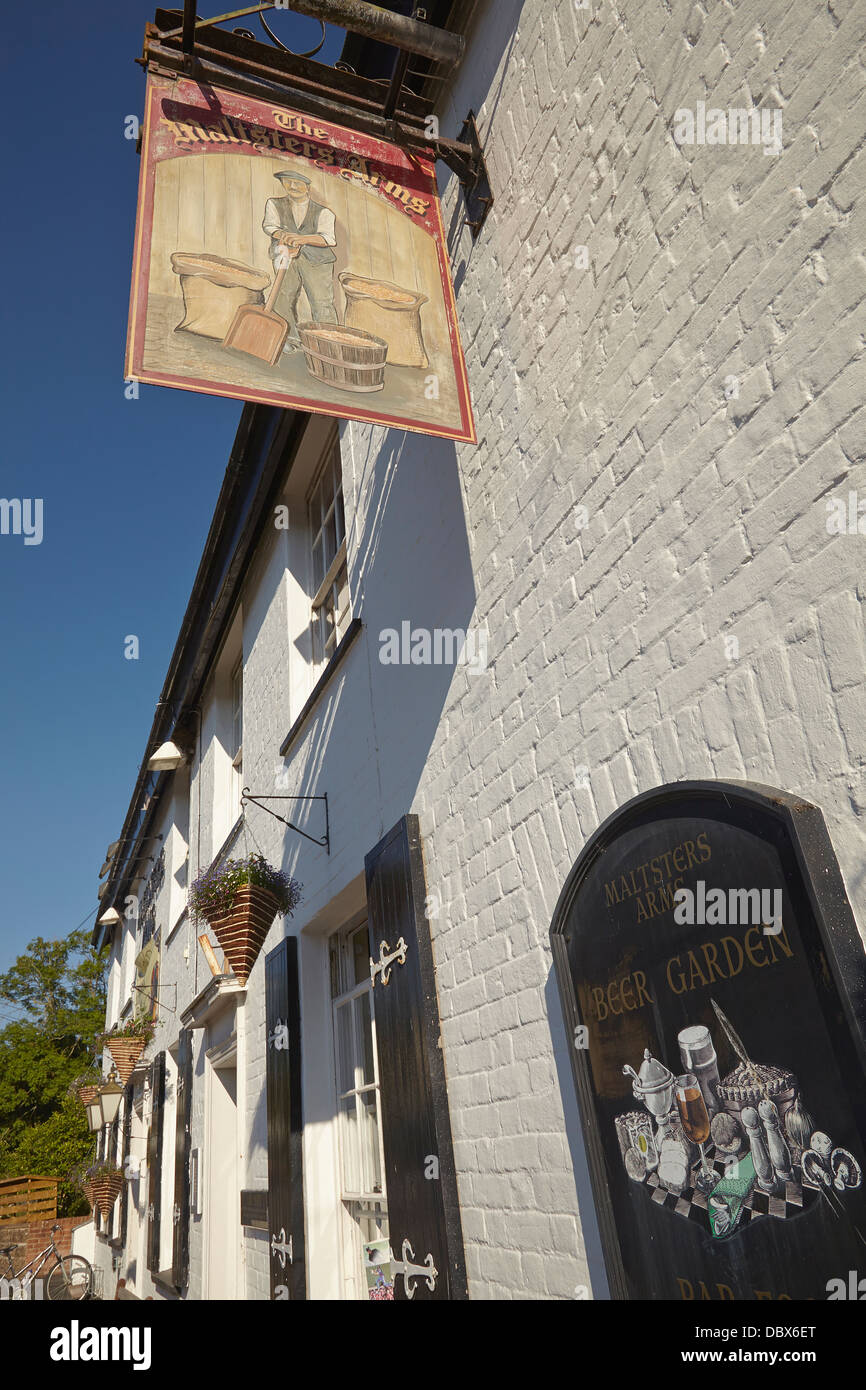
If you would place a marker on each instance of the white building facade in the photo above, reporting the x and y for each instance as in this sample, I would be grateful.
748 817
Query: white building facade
655 554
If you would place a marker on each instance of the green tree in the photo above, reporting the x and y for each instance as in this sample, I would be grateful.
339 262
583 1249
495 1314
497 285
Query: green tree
59 986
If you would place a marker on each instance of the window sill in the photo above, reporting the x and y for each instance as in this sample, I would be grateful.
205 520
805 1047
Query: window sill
164 1279
342 647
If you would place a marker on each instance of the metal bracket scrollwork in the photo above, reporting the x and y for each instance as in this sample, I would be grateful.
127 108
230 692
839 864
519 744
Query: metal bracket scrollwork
281 1249
410 1271
383 964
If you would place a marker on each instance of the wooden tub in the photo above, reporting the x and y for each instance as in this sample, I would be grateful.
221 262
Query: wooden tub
347 358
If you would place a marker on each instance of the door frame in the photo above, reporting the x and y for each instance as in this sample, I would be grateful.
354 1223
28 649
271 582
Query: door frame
218 1058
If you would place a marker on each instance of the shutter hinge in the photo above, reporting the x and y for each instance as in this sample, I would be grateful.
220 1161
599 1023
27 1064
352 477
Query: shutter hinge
281 1249
410 1271
383 964
175 1214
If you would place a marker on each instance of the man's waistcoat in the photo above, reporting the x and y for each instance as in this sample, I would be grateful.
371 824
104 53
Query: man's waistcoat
309 227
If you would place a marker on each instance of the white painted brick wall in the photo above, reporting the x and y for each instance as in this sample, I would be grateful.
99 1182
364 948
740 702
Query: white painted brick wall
706 516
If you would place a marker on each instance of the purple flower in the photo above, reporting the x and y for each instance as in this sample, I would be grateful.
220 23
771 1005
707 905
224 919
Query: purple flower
214 890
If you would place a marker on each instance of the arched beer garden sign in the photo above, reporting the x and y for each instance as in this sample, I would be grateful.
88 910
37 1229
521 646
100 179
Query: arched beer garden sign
714 986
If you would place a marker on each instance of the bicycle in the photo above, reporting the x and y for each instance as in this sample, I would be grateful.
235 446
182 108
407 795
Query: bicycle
69 1280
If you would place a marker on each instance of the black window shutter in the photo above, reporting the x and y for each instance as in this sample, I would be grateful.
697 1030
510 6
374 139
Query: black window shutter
154 1160
182 1118
285 1119
421 1184
101 1153
111 1152
127 1134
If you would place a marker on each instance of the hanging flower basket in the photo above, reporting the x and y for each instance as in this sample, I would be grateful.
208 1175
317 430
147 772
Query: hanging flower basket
240 899
85 1088
104 1184
125 1052
126 1044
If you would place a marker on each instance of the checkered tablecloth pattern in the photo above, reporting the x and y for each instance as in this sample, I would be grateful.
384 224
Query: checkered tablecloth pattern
692 1204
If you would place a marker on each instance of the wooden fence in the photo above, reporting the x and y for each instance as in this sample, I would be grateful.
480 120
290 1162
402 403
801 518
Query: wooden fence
28 1198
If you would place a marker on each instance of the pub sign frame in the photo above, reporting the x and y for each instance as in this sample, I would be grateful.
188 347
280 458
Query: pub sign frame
227 184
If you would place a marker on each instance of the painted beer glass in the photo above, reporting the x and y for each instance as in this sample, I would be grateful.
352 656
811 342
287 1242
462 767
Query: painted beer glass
695 1121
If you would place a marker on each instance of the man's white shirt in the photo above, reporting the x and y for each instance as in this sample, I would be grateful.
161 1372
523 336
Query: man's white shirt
325 227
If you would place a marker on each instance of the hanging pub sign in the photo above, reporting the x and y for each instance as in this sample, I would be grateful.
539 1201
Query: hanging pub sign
285 259
714 988
147 980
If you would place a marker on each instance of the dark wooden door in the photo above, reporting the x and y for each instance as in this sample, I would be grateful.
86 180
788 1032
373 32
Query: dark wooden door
182 1119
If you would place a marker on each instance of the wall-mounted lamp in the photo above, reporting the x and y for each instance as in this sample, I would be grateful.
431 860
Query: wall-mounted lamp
94 1115
109 857
110 1096
166 758
111 918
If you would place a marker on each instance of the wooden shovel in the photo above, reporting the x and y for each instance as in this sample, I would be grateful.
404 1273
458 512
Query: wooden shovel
258 330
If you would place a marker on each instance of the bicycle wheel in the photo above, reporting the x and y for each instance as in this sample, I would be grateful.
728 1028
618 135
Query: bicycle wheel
70 1280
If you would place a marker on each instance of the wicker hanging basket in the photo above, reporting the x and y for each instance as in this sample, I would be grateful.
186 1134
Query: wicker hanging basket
241 931
125 1052
105 1191
87 1093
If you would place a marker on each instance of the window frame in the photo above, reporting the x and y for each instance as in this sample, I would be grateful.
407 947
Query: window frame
236 683
328 621
354 1204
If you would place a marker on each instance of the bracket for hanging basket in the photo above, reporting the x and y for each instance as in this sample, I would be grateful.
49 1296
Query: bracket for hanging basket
258 797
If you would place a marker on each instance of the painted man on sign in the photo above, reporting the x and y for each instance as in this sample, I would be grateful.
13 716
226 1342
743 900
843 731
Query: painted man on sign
298 220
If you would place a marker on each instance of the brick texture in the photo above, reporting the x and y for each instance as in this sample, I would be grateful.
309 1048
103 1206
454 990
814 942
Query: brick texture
31 1237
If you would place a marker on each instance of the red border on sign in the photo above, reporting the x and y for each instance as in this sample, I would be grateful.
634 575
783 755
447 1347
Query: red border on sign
418 172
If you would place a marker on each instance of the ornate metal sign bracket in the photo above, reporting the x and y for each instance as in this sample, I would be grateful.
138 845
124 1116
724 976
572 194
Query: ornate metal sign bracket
383 964
241 62
411 35
410 1271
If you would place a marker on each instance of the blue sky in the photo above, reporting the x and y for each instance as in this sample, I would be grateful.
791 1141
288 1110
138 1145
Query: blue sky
128 487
